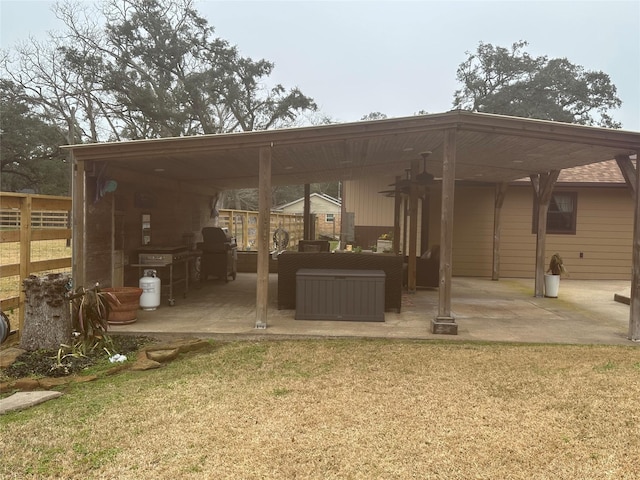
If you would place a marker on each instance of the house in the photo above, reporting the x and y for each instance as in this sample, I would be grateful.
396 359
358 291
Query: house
166 189
590 223
326 212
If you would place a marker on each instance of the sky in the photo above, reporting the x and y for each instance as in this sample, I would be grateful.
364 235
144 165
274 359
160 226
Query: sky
399 57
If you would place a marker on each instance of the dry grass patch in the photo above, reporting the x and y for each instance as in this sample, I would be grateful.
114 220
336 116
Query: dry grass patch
345 409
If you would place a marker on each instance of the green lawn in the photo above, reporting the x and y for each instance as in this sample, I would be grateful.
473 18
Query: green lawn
326 409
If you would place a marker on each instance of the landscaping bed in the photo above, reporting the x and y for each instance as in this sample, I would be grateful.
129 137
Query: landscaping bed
44 363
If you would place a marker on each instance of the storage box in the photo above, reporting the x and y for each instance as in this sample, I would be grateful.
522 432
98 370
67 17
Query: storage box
353 295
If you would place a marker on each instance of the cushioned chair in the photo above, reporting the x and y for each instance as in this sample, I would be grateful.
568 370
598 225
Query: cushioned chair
427 269
313 246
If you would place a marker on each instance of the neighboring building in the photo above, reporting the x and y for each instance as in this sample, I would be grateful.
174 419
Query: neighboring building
325 209
590 223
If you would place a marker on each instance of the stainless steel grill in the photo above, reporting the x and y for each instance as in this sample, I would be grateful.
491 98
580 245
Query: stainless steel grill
166 257
160 256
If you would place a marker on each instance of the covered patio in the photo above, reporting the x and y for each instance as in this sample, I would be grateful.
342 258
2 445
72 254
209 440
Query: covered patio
502 311
463 146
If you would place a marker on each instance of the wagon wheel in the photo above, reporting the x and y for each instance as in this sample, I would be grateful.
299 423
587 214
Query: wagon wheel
280 239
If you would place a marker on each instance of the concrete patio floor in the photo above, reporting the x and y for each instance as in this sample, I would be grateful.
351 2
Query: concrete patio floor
485 310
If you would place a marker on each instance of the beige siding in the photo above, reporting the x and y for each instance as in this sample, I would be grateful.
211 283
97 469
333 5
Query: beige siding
604 232
370 207
473 231
604 229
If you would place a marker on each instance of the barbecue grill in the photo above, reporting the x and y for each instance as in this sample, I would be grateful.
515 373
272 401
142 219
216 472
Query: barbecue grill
166 257
219 254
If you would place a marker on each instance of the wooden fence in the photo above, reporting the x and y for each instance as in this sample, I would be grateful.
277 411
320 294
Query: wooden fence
243 225
25 221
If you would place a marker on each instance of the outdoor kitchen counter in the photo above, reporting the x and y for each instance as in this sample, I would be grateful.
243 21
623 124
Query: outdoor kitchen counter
167 258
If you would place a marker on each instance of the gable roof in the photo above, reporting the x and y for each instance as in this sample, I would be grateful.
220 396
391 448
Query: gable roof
322 196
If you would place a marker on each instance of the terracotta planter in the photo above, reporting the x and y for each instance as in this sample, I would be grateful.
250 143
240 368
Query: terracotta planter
126 311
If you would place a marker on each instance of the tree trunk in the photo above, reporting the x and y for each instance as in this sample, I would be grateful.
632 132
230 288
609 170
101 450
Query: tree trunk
47 316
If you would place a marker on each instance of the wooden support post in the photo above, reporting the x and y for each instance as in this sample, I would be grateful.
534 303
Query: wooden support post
405 217
245 231
445 323
501 191
397 207
424 221
343 214
264 222
628 171
543 184
634 313
413 227
307 213
79 188
25 254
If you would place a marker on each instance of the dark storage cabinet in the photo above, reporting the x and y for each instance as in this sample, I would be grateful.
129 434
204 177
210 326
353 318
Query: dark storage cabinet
354 295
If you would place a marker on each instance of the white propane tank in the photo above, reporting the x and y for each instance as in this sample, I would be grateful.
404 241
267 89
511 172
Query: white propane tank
150 285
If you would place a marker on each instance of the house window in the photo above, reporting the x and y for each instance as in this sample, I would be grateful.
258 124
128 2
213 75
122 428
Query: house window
561 216
329 217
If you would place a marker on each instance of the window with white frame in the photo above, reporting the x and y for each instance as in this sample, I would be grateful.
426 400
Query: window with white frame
562 213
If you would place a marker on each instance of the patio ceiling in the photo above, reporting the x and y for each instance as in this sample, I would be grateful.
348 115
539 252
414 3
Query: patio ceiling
489 148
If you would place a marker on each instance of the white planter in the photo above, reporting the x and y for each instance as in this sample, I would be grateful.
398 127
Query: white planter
383 245
551 285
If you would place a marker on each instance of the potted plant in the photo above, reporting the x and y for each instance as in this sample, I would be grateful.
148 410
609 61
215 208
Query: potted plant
552 277
385 243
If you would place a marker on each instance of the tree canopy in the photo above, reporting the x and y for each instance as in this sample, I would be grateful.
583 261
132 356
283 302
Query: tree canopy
142 69
512 82
30 159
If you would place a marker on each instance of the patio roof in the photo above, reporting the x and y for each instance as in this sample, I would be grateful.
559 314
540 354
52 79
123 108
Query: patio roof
464 146
489 148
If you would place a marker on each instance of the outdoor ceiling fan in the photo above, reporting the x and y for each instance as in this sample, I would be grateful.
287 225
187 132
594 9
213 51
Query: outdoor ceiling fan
422 179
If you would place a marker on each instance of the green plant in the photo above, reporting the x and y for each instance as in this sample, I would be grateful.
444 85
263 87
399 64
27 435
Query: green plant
83 347
556 265
89 314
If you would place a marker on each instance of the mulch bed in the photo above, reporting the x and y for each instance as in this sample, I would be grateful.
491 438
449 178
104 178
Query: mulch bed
44 363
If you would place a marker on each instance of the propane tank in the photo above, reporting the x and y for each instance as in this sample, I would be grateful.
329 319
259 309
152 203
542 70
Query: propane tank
150 285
